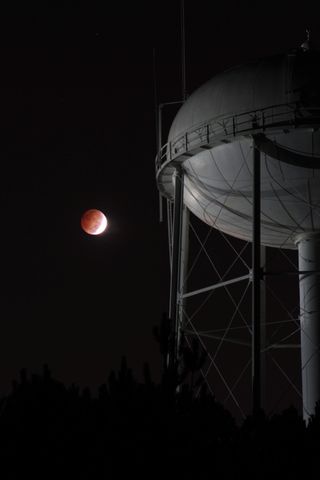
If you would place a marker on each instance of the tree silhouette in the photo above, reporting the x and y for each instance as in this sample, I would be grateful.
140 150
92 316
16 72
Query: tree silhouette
192 359
187 365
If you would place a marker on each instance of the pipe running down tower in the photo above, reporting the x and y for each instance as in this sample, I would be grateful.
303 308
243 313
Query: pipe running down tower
309 268
271 107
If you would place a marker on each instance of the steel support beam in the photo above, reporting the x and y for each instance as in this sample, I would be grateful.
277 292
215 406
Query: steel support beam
176 260
183 267
309 286
170 231
263 325
218 285
256 278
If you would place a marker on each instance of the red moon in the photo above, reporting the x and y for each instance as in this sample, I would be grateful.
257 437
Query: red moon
94 222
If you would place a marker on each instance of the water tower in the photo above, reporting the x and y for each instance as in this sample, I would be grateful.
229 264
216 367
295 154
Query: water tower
243 155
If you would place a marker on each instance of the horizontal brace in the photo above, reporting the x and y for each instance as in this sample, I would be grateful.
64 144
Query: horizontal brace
217 285
219 337
276 346
297 272
243 343
164 104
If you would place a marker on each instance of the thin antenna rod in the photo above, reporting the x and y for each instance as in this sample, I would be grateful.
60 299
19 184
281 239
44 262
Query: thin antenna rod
157 125
183 53
155 96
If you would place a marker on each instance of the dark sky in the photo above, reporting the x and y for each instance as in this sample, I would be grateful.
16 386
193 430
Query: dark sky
77 132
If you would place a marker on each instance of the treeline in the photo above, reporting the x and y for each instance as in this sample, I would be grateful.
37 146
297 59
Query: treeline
147 430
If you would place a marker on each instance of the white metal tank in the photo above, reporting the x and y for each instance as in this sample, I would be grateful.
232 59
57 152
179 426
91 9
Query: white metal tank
278 100
274 103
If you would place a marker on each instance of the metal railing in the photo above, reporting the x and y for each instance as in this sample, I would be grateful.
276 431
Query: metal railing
220 129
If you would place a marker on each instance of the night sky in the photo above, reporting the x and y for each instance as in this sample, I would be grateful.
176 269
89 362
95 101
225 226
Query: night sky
78 132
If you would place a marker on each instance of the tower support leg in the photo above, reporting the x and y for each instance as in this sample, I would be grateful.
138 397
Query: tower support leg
183 264
263 323
179 264
309 286
256 279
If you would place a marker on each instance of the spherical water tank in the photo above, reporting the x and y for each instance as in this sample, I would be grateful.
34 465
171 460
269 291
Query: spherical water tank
274 102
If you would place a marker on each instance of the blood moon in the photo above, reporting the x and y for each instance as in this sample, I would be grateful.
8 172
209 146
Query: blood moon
94 222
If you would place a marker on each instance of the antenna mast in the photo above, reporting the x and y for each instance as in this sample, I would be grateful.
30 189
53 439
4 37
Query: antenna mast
155 96
183 52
